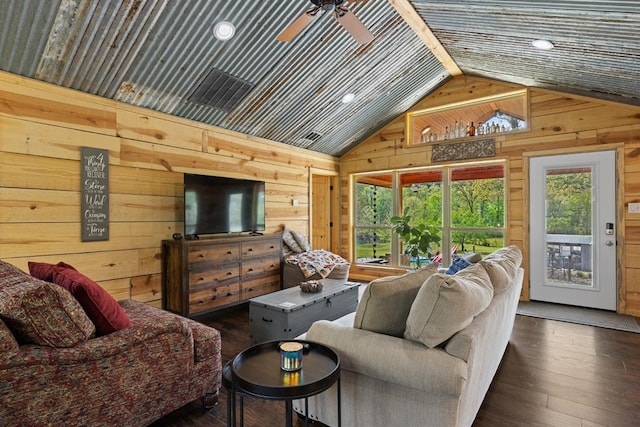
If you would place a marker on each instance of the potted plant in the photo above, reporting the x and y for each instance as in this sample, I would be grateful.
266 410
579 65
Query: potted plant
417 238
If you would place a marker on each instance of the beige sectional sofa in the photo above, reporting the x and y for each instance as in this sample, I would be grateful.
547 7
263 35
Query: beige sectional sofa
422 348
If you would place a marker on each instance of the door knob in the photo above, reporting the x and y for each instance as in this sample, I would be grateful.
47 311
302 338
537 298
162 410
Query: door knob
609 243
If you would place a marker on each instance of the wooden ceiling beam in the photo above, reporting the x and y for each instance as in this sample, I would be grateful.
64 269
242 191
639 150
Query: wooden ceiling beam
411 16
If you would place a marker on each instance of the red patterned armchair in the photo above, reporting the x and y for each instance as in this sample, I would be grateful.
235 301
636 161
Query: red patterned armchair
55 369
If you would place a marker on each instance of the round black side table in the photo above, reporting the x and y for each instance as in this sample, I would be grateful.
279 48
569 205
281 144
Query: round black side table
256 372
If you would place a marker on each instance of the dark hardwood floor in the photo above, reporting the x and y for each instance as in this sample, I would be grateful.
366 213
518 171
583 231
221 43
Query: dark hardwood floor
553 374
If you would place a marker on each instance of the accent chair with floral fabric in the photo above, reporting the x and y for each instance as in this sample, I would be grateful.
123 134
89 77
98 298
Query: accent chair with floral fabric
58 368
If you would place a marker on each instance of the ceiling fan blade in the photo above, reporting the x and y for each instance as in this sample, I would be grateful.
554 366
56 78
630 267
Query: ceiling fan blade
298 25
354 26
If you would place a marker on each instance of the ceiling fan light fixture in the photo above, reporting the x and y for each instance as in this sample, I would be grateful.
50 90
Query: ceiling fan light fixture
224 30
542 44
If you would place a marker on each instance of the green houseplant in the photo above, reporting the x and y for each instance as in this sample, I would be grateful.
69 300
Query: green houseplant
417 238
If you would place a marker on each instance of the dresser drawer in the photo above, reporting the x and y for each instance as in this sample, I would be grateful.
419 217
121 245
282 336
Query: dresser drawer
260 285
261 246
219 253
220 275
260 266
217 296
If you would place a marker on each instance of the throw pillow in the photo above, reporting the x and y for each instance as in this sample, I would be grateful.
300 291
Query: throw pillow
41 313
385 302
301 240
290 241
447 304
472 257
8 344
102 309
457 265
43 270
502 265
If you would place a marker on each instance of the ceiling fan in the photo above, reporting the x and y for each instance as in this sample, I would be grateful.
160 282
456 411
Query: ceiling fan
342 14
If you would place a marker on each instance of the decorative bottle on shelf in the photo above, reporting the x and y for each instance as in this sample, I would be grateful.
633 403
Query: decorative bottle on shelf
446 132
480 129
472 130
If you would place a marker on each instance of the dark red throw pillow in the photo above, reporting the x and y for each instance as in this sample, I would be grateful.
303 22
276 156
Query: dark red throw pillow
102 309
44 270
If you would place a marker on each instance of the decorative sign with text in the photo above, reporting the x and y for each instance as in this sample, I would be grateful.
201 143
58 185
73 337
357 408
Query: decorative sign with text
94 191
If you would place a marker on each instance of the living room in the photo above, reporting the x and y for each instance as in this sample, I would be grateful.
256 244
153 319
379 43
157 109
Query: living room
43 128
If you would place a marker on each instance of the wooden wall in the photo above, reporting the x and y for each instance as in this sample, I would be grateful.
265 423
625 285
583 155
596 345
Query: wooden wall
559 123
42 128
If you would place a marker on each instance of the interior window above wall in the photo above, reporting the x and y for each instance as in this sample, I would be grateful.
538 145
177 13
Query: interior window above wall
466 202
476 118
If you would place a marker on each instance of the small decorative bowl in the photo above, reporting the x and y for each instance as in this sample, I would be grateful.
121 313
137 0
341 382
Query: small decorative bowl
311 286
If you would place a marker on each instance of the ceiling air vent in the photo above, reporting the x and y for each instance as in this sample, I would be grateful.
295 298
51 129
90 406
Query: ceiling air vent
221 90
313 136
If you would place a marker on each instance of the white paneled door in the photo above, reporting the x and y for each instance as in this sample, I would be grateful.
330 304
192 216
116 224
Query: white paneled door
572 210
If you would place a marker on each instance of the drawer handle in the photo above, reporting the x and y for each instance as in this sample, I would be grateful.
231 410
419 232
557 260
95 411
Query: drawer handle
250 270
267 320
229 273
229 252
250 249
201 255
272 247
328 303
200 279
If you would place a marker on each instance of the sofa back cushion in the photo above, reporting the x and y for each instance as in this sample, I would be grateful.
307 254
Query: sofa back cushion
8 344
447 304
502 266
41 313
385 302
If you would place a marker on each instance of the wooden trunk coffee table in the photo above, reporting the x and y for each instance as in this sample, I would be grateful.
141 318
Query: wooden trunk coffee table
256 372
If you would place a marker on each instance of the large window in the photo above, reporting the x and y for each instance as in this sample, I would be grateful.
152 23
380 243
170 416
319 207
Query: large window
466 202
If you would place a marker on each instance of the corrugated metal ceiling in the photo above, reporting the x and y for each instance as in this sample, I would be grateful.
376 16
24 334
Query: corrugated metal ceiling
156 53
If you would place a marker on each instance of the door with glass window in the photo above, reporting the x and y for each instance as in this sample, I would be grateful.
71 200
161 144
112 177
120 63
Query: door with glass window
573 229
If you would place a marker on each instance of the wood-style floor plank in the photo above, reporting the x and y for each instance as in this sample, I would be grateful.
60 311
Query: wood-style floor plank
553 374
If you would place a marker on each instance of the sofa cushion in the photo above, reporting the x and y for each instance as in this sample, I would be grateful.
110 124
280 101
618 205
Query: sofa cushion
472 257
290 241
301 240
457 265
446 304
102 309
385 302
8 344
41 313
502 265
44 270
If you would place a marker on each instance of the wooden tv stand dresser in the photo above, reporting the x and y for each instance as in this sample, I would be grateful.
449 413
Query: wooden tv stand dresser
201 276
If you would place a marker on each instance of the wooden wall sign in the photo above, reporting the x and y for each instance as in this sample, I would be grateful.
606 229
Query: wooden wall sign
464 150
94 191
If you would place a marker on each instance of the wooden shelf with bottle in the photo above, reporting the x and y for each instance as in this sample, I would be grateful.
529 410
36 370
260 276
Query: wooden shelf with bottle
504 113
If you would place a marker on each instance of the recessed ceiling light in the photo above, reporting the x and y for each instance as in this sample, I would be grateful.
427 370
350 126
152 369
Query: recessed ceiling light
348 97
224 30
542 44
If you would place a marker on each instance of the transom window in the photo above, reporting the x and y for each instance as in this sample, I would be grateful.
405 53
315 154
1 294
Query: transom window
466 203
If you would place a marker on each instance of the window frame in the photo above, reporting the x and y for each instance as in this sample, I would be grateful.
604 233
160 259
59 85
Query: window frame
446 228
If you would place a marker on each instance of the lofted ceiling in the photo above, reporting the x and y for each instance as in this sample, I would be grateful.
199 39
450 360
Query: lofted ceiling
160 54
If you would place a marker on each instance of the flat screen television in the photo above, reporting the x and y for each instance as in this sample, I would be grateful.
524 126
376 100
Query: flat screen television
214 205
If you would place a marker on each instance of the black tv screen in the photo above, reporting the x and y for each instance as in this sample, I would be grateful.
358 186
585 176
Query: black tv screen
222 205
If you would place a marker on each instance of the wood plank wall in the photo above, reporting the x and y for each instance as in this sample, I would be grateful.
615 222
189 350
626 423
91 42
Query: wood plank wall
559 123
42 128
